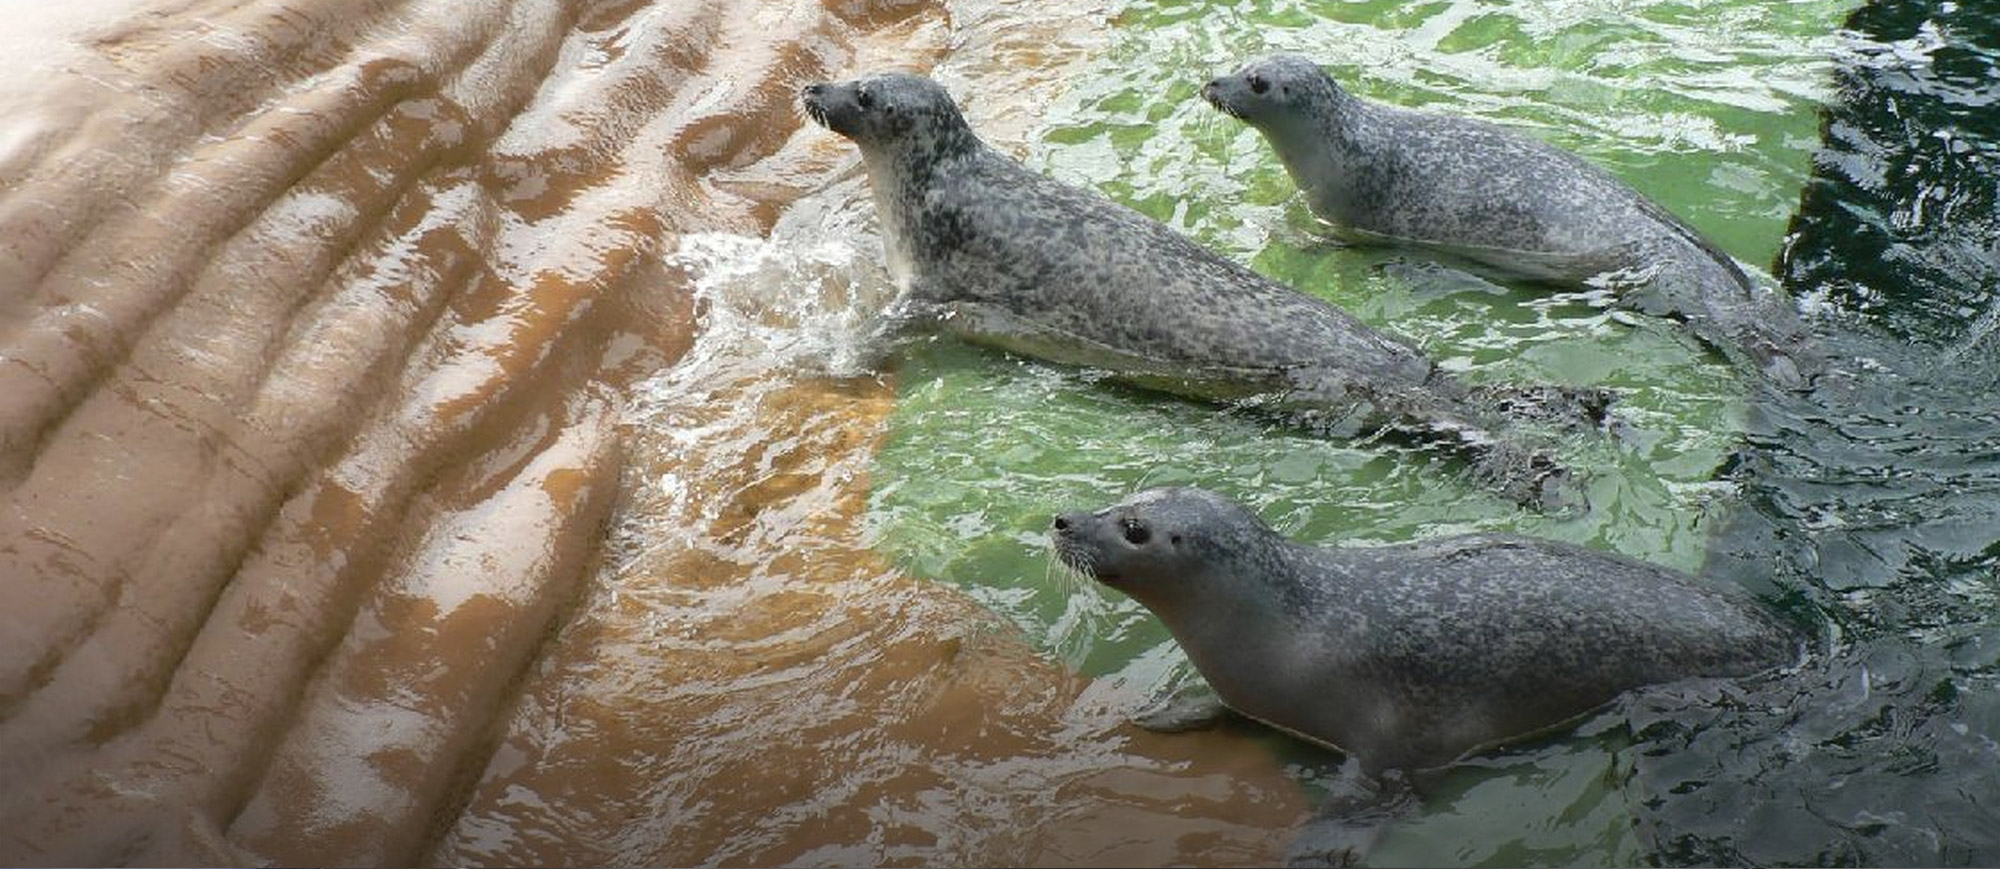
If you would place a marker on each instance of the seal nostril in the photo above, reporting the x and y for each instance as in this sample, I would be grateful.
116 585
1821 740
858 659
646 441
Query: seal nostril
1061 524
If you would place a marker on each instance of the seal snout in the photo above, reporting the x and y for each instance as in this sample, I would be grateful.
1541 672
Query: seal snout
813 97
1071 538
1211 91
1069 530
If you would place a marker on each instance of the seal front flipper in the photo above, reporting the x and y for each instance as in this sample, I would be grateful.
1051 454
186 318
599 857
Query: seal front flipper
1190 709
1357 811
908 312
901 320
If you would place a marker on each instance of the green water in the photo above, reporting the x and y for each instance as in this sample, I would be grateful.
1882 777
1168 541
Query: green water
1709 108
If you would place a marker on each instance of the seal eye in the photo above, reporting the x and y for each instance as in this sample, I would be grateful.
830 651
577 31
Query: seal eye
1136 533
865 100
1258 85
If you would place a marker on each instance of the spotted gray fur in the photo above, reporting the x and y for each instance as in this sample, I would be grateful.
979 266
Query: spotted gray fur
1509 201
1410 656
1001 255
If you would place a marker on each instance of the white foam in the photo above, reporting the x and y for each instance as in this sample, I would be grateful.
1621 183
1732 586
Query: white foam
808 306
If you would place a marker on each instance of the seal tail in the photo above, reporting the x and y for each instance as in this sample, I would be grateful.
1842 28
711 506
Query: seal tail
1756 326
1528 476
1448 423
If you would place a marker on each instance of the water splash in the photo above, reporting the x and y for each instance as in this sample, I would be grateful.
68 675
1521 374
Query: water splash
810 308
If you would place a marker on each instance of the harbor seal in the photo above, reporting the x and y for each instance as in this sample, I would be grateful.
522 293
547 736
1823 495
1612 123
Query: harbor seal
1387 175
997 254
1411 656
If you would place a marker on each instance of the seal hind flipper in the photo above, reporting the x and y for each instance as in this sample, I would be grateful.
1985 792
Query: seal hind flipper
1527 474
1566 406
1530 476
1192 709
1357 811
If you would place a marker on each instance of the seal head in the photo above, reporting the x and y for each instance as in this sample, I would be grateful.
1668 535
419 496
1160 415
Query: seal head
1160 544
1313 125
891 112
1273 90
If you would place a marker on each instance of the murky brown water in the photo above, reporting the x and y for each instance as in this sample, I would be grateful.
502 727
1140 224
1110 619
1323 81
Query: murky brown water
379 489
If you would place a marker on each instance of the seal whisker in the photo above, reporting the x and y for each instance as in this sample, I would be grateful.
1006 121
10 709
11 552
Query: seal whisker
1057 573
1066 576
813 109
1144 478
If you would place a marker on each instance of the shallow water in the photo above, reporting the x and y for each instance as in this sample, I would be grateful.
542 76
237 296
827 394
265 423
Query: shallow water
439 433
1715 116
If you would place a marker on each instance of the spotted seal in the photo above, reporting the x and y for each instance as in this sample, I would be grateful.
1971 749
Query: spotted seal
1410 656
1382 174
1001 255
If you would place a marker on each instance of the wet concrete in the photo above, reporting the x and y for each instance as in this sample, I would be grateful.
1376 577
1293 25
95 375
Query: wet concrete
334 532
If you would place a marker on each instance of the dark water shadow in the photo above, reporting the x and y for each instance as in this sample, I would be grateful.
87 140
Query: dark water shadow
1877 508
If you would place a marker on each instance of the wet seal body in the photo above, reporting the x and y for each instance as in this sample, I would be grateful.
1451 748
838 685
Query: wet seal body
1383 174
1001 255
1410 656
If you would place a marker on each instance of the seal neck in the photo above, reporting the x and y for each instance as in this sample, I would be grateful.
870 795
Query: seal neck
901 173
918 161
1321 149
1241 614
1255 578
